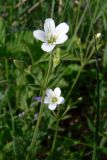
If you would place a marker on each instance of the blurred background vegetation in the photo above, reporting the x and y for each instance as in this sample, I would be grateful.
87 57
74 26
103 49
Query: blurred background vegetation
23 65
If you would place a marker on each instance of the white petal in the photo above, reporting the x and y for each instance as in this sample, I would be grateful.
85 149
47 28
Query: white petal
57 92
60 100
52 106
61 39
47 47
46 100
49 25
62 29
49 92
40 35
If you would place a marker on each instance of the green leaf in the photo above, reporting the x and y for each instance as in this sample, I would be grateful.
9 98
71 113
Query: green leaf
91 125
104 150
19 64
2 31
8 147
66 117
105 57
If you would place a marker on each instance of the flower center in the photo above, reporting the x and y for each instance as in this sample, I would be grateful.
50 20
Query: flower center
51 38
54 99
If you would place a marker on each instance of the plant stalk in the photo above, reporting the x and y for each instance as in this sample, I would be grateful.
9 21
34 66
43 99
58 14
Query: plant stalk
54 141
97 125
75 81
33 142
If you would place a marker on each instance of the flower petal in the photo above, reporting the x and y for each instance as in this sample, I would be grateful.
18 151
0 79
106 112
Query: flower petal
57 92
52 106
46 100
40 35
60 100
38 98
49 92
61 39
49 25
47 47
62 29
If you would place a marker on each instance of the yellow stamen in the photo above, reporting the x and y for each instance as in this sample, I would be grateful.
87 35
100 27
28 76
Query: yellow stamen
54 99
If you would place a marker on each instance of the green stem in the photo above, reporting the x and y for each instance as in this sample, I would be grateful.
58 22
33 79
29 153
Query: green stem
13 129
78 26
77 15
6 69
93 19
55 136
54 140
94 152
52 10
97 124
75 81
33 142
10 109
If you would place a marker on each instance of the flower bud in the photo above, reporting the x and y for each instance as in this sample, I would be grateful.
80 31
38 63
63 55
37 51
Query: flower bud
56 58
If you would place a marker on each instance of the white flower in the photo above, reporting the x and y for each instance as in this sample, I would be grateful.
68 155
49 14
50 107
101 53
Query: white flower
21 114
51 35
35 116
98 35
53 98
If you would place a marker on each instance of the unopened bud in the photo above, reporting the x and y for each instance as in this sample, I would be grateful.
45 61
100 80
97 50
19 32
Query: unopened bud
98 35
28 70
56 58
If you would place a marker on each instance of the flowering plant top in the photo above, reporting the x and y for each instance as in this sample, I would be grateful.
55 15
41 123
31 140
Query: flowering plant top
51 36
53 98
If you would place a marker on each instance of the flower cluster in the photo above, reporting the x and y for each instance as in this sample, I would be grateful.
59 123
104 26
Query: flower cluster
51 36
